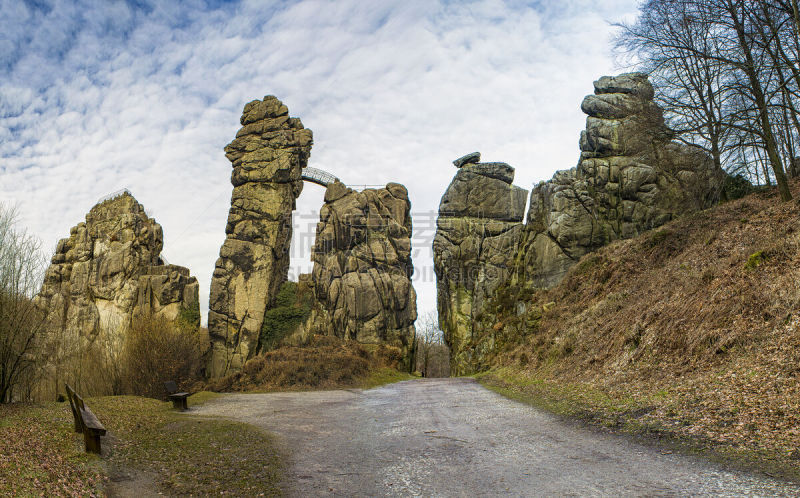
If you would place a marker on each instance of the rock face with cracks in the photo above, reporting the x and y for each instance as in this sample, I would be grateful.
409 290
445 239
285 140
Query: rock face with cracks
109 269
362 253
630 178
268 154
477 237
362 267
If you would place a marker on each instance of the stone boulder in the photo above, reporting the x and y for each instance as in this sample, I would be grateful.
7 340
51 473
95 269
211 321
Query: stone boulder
478 232
471 158
362 267
110 269
267 155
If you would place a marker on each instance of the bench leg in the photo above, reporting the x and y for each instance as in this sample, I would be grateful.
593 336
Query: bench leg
180 404
92 441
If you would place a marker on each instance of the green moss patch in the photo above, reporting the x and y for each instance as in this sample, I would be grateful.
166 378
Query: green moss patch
292 308
189 316
755 260
384 376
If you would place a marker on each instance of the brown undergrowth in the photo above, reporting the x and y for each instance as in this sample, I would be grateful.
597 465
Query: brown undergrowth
40 455
172 453
692 328
325 363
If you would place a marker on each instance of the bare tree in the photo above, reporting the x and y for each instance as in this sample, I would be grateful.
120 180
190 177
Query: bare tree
727 74
432 356
21 322
751 63
672 40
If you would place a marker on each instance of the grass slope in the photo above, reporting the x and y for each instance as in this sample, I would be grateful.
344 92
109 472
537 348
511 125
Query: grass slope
690 330
180 454
39 454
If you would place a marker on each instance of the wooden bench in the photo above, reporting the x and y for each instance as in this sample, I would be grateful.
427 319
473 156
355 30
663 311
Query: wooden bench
178 399
85 422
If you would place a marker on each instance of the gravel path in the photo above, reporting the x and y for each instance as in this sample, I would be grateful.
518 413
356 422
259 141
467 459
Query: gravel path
452 437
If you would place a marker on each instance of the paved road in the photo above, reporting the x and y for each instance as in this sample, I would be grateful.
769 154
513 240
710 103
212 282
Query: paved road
452 437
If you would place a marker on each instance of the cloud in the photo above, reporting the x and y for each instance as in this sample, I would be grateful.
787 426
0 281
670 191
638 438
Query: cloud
96 96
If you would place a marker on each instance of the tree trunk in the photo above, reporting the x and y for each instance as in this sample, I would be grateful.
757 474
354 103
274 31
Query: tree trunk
761 102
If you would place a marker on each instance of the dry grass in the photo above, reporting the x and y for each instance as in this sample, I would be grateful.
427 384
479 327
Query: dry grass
41 455
698 322
188 455
325 363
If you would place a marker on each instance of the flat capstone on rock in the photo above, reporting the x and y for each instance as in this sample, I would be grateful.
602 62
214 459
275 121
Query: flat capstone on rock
471 158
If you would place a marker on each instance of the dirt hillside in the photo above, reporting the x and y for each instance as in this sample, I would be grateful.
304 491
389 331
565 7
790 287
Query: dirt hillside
691 329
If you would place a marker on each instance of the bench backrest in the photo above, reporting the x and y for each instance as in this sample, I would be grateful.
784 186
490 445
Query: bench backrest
171 387
75 413
77 406
79 402
70 394
90 421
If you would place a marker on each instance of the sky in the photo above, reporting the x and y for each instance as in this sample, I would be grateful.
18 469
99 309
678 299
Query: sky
98 95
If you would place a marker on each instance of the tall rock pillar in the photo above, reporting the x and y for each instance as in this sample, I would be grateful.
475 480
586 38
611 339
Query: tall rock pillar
477 236
362 267
268 155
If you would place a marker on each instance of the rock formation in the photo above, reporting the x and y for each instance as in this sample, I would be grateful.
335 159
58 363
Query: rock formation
267 154
477 236
362 267
110 269
362 253
630 178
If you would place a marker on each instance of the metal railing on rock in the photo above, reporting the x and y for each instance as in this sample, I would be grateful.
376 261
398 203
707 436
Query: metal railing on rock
318 176
364 186
114 195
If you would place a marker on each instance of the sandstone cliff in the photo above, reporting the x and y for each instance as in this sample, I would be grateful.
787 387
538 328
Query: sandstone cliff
477 237
109 269
362 254
362 267
630 178
267 155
